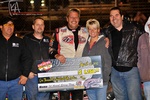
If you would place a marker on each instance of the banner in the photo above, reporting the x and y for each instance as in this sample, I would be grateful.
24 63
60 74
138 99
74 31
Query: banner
75 73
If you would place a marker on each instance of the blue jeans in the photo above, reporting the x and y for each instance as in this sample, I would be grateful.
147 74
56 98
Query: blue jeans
147 90
126 85
31 90
97 93
12 88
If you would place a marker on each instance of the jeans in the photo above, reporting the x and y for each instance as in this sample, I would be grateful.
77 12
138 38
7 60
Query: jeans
97 93
126 85
31 90
12 88
147 90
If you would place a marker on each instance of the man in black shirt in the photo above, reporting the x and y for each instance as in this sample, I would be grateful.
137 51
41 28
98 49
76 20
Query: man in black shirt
123 49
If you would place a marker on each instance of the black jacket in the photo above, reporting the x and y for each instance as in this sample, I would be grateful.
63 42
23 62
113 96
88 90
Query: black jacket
15 60
127 55
39 49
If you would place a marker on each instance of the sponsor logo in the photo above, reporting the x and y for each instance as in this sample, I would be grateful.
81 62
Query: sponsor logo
15 44
46 40
68 39
82 40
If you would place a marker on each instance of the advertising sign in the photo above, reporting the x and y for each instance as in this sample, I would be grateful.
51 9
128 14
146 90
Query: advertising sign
75 73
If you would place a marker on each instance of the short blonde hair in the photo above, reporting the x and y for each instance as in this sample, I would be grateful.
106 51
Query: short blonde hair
92 22
73 10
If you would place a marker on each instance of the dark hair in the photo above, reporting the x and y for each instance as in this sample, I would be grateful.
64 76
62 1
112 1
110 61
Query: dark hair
117 8
4 20
36 19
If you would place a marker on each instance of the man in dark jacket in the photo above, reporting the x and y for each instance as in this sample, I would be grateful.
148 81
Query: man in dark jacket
15 62
123 49
38 45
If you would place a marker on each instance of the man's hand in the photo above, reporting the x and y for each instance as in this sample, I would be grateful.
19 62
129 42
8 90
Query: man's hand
61 58
23 80
107 42
31 75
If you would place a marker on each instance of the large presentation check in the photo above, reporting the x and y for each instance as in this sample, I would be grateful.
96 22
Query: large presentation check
75 73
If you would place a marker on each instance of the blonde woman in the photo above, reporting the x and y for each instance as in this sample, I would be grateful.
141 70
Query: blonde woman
96 46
